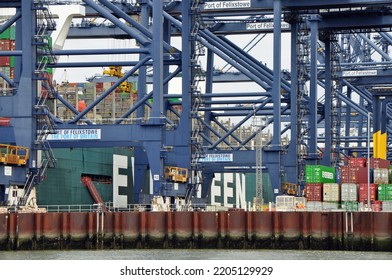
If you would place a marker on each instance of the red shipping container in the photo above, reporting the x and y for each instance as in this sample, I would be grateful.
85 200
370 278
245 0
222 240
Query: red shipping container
5 45
363 192
314 191
376 206
379 163
12 45
357 162
356 175
99 85
5 61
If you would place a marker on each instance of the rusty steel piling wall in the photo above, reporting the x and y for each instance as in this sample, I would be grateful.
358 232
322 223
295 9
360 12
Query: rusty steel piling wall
365 231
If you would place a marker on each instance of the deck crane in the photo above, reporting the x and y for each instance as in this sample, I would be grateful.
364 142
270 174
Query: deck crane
116 71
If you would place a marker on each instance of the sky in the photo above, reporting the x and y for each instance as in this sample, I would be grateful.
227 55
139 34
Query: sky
262 52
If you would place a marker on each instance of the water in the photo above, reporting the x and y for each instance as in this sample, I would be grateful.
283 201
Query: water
193 255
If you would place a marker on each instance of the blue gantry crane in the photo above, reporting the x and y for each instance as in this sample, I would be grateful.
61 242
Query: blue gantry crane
339 72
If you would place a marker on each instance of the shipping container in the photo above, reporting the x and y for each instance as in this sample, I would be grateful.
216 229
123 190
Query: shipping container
381 175
331 192
12 45
5 70
376 206
387 206
320 174
12 32
5 61
363 192
314 191
357 162
314 206
349 192
5 45
330 206
350 206
356 175
5 34
384 192
379 163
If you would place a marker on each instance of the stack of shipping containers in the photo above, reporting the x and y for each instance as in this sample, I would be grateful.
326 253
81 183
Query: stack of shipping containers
316 177
351 189
355 177
7 63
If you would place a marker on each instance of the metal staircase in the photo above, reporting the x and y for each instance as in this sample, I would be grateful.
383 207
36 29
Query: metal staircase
335 102
28 186
303 50
45 56
196 100
45 122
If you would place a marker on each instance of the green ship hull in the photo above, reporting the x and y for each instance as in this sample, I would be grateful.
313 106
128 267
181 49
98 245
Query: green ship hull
63 185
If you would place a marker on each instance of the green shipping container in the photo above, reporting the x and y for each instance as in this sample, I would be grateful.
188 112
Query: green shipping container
320 174
384 192
12 33
5 34
350 206
12 61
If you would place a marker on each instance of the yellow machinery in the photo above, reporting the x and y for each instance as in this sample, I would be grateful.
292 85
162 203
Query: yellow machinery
289 188
116 71
13 154
176 174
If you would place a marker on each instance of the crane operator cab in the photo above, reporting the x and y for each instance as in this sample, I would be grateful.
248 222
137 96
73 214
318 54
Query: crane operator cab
176 174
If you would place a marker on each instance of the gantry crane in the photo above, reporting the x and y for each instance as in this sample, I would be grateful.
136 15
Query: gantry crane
290 101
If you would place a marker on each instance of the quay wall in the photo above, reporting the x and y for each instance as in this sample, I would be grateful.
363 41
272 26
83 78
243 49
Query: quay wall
369 231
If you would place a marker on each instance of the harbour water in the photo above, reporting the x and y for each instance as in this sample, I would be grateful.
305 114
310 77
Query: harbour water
193 255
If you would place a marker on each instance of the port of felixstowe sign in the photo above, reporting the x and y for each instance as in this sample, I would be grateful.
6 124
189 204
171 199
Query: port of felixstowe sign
226 5
217 158
76 134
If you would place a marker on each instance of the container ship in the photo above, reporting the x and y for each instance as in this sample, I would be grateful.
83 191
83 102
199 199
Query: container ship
65 212
124 161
